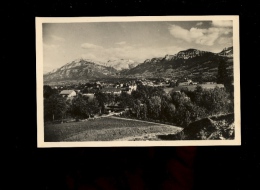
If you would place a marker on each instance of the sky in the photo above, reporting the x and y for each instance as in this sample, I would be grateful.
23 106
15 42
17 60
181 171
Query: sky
138 41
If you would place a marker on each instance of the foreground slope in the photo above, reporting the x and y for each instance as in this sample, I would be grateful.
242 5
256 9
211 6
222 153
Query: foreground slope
105 129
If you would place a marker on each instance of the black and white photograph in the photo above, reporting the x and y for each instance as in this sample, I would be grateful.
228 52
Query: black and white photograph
138 81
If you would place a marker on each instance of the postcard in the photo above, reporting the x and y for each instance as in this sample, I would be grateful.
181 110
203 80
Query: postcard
138 81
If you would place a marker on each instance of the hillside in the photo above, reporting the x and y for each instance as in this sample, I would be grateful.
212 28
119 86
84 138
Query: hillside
80 70
191 63
227 52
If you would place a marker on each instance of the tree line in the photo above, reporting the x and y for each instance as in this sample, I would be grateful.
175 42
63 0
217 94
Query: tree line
147 103
181 107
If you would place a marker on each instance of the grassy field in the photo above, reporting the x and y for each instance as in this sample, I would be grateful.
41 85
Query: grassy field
104 129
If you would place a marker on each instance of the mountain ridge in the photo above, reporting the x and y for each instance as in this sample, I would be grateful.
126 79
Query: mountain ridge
120 64
80 69
191 62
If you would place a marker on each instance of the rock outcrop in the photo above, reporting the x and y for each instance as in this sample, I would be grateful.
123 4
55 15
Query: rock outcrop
213 128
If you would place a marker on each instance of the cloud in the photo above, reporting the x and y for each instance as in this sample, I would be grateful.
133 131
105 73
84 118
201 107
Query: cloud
57 38
194 34
179 32
199 24
138 53
198 35
121 43
222 23
208 38
225 40
50 46
90 46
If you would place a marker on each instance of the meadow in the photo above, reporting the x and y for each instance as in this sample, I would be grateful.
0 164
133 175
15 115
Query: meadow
104 129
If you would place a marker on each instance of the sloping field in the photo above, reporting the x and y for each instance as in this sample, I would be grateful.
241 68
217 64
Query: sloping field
105 129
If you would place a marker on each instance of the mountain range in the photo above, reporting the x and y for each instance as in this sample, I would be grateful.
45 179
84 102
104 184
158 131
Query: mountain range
191 63
121 64
79 70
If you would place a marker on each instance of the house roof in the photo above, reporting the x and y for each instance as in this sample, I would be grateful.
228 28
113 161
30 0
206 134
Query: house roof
66 92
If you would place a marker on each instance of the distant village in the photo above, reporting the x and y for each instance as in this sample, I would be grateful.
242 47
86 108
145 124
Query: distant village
89 89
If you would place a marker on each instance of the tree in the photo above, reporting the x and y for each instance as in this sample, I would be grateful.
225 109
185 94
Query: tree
110 98
172 84
189 112
222 75
144 110
137 108
183 115
167 109
177 82
125 100
221 101
102 100
170 112
48 91
189 93
179 98
79 107
55 106
215 101
140 93
155 91
155 107
93 107
198 94
85 90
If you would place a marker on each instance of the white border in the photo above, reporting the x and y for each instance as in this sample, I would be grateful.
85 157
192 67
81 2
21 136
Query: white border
39 88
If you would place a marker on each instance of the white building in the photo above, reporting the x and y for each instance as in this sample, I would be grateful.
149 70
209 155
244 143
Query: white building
131 88
68 93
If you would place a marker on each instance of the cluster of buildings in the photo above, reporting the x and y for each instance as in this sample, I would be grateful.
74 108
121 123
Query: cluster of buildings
117 88
90 89
186 82
155 83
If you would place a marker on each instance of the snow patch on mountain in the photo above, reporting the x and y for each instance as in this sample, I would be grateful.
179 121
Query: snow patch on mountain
120 64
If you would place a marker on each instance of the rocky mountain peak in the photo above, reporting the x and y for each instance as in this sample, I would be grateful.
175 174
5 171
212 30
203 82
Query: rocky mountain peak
120 64
227 52
189 53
